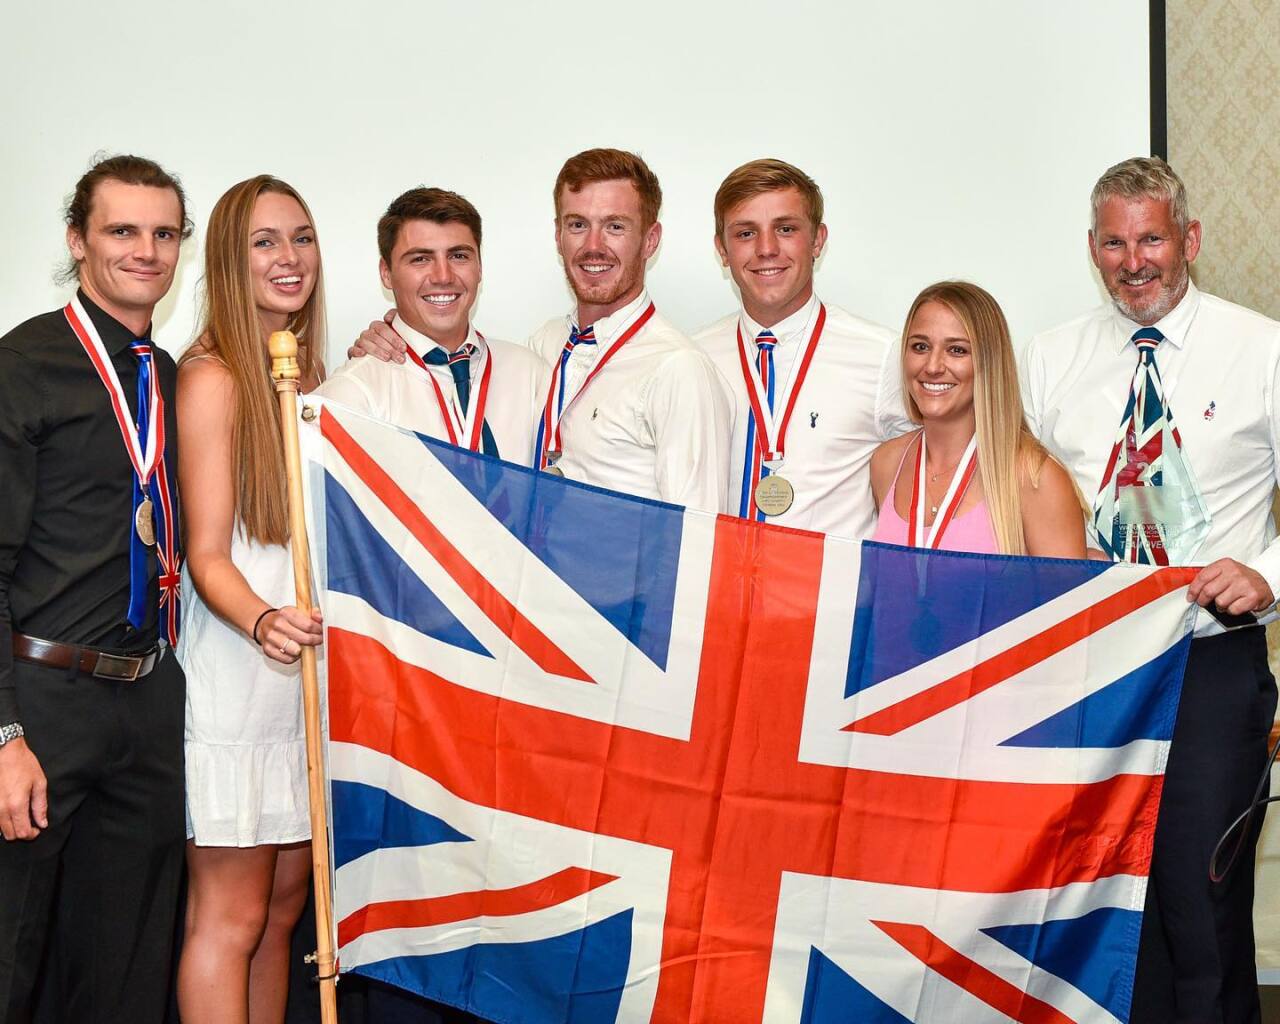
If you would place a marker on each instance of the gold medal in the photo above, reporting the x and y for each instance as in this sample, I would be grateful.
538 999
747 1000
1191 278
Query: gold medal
774 495
554 471
551 467
144 521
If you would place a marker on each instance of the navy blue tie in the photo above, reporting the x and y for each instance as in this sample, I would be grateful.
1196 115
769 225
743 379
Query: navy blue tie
459 364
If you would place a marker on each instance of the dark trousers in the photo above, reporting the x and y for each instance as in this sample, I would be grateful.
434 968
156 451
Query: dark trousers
1196 955
87 908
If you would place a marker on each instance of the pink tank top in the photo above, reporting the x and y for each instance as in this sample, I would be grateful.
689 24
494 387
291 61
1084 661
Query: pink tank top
968 531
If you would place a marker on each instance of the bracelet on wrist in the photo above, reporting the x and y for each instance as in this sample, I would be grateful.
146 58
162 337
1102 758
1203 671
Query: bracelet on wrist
258 622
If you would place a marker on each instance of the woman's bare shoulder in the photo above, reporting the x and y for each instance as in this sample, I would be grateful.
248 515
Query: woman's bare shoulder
884 464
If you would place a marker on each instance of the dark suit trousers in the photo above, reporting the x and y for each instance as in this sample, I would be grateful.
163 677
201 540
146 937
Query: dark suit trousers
1196 955
87 908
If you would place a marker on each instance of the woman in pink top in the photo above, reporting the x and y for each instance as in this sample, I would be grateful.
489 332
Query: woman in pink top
974 478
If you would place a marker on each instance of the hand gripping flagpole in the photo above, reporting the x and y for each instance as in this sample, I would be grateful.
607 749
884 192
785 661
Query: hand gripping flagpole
284 370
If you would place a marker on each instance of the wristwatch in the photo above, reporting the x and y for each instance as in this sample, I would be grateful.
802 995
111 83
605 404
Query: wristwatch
10 731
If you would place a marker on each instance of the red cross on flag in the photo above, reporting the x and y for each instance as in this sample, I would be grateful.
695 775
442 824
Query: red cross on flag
595 758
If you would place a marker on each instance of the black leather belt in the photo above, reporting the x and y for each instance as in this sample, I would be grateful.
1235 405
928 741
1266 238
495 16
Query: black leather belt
123 667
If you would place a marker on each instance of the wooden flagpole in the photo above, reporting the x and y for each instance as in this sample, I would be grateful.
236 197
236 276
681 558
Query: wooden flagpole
284 370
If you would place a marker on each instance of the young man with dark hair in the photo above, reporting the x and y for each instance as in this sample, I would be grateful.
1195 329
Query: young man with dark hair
456 384
91 696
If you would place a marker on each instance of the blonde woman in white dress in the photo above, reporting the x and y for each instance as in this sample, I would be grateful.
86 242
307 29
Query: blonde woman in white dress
248 855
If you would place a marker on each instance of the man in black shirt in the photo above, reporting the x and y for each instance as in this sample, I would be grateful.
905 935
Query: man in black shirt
91 695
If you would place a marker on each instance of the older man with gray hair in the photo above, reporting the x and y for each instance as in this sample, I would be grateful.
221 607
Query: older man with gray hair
1101 393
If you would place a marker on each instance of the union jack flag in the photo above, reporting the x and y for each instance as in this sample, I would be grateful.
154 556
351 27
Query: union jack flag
595 758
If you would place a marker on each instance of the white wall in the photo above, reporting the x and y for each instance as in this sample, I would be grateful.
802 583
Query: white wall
951 139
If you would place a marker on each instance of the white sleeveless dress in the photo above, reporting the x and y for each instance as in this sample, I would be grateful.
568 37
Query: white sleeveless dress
245 740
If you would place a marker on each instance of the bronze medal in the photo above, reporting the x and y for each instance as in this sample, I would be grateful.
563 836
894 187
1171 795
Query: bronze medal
144 521
774 495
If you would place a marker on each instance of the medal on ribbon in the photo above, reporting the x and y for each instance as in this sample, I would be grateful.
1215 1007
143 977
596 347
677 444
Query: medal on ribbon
144 522
771 493
146 455
774 495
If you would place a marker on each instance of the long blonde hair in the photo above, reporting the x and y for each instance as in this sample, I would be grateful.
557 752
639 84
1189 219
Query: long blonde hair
231 331
1007 450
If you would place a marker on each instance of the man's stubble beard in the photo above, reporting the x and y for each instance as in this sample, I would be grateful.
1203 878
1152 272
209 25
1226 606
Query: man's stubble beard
1169 297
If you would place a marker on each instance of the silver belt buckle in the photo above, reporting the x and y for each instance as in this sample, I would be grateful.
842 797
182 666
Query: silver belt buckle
118 666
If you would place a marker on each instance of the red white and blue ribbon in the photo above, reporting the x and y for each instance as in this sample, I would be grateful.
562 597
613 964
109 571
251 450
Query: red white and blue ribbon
143 456
553 411
771 431
146 455
464 429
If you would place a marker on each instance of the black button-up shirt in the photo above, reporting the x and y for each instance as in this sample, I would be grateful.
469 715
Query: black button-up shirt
66 490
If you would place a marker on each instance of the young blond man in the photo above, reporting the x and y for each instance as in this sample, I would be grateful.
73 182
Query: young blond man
815 389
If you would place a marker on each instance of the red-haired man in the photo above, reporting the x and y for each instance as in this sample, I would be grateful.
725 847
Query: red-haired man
633 405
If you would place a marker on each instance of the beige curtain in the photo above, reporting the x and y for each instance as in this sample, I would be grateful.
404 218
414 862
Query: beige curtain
1224 139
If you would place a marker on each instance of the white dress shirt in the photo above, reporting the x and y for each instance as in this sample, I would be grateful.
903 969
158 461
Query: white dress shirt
655 422
398 393
1220 367
850 403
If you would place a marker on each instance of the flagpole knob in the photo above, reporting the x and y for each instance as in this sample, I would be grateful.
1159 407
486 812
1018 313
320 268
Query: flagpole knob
283 347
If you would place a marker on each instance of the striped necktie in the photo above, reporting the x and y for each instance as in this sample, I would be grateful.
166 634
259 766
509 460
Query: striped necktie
586 336
766 342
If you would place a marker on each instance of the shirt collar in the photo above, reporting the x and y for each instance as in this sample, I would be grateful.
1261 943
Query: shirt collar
608 326
1174 325
422 344
784 330
116 337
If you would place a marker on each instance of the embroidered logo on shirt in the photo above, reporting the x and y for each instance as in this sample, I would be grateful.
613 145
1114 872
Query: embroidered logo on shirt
813 420
595 412
1208 413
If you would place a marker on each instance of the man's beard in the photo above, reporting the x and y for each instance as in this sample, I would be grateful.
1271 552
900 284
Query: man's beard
602 293
1170 295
